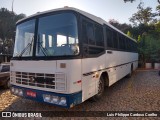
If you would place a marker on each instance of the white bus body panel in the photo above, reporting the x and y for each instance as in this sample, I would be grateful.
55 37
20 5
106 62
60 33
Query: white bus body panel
72 72
122 60
117 65
90 82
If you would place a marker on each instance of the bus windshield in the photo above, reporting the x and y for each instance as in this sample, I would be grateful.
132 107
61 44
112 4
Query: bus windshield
24 39
57 35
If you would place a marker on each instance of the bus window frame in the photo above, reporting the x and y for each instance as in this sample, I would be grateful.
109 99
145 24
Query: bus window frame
126 38
85 47
34 57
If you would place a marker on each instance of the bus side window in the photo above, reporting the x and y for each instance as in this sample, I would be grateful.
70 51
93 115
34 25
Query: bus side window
99 36
135 44
115 40
132 46
122 43
109 37
90 34
127 47
84 32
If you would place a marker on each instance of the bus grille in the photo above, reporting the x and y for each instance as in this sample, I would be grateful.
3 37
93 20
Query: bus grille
53 81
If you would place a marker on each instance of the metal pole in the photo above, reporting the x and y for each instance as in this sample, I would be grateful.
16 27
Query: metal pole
12 5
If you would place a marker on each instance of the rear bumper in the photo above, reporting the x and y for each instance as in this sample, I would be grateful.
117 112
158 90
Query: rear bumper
71 99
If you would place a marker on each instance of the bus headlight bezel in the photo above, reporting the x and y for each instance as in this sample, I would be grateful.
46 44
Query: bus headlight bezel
62 101
16 91
46 98
55 99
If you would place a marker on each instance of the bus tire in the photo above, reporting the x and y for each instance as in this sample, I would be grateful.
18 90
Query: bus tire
131 72
100 90
7 84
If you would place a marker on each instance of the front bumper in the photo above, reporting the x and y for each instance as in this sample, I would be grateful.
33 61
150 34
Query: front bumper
71 99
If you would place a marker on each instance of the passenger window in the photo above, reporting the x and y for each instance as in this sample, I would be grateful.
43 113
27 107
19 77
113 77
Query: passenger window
127 46
115 40
99 36
90 34
84 32
109 37
132 46
122 44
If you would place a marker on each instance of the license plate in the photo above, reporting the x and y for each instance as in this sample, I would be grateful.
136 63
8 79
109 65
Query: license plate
31 93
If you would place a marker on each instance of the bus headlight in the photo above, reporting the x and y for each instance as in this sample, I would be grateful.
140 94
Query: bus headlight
20 93
12 89
47 98
16 91
62 101
55 99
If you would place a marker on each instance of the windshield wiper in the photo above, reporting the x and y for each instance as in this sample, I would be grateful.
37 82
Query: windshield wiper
44 50
24 50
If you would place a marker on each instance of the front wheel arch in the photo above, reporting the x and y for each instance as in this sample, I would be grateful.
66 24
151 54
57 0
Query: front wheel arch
101 86
131 71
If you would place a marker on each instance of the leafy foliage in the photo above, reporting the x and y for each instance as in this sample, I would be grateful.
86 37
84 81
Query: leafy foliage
134 0
123 27
129 34
8 21
143 15
149 45
151 48
129 0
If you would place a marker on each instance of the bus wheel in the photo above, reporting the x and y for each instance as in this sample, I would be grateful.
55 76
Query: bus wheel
7 84
100 90
131 72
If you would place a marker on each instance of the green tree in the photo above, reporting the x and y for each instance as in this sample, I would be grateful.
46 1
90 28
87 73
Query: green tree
139 38
129 0
8 21
143 15
157 27
123 27
129 34
134 0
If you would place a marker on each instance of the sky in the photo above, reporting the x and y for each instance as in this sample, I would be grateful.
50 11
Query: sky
106 9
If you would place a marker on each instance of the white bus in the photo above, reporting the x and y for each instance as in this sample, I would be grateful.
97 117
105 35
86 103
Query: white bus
66 56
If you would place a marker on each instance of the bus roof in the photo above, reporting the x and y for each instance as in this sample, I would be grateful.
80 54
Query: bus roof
93 17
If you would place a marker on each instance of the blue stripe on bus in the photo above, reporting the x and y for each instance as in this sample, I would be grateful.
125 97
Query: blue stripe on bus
72 99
